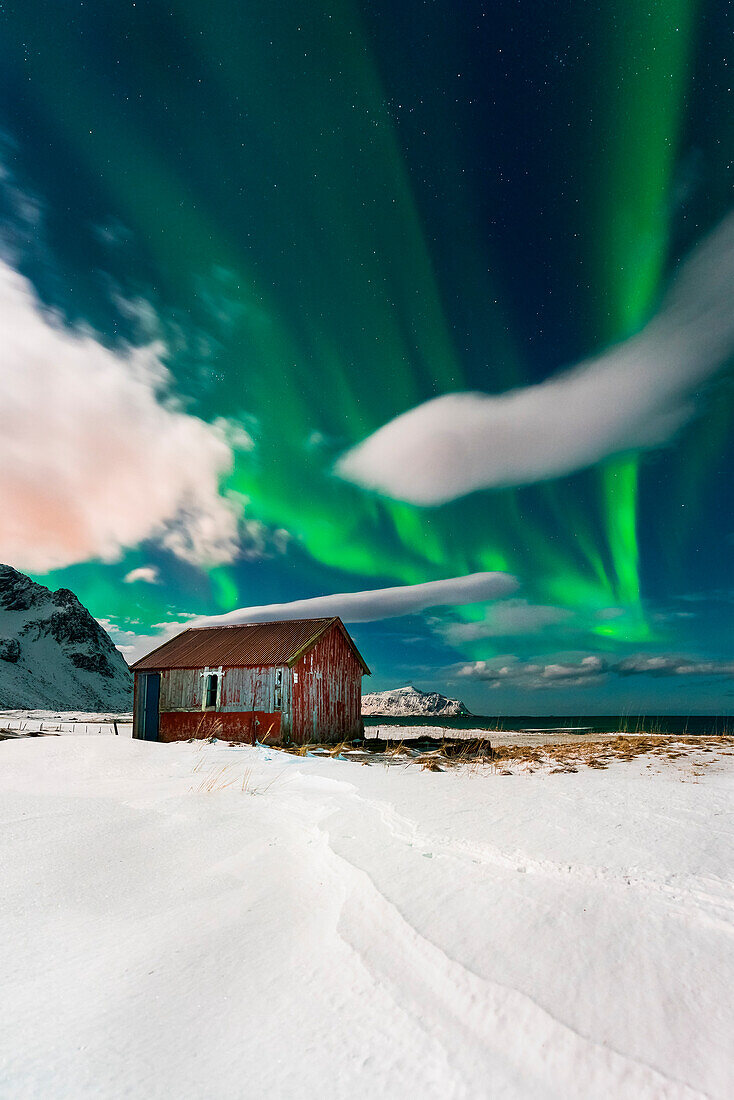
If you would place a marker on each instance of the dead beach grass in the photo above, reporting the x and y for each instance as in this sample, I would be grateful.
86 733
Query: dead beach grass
439 755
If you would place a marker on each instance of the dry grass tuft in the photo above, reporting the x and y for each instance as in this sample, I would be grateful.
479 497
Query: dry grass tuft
625 747
443 754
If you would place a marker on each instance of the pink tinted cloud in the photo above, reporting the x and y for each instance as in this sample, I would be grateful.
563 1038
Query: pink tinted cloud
93 459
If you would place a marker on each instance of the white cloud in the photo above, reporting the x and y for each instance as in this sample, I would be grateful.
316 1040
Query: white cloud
572 671
532 675
94 458
589 666
673 666
147 573
181 620
504 619
635 396
379 603
352 607
134 645
497 670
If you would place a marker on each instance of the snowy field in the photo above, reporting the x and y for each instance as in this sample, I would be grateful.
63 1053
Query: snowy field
25 723
568 735
196 920
85 724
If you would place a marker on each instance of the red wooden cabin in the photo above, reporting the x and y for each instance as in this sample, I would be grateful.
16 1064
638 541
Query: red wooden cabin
298 680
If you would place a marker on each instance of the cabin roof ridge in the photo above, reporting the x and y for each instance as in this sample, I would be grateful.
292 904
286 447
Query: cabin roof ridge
276 642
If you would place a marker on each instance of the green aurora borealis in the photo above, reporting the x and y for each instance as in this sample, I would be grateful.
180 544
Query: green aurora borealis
336 211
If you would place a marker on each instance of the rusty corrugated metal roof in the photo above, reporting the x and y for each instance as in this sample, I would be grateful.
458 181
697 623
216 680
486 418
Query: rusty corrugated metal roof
241 645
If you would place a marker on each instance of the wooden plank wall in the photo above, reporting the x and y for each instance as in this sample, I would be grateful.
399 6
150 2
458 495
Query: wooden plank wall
242 690
327 697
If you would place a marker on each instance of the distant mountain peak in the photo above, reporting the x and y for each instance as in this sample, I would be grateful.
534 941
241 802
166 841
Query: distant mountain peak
53 653
406 701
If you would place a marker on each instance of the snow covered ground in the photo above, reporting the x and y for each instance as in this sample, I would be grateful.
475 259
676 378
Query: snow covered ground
556 736
83 723
197 920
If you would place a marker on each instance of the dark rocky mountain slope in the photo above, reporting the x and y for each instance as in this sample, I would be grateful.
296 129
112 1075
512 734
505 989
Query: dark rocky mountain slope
53 654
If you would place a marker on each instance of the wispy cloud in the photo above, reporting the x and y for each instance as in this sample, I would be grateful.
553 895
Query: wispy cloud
589 669
379 603
146 573
352 607
635 396
134 645
672 666
506 618
95 454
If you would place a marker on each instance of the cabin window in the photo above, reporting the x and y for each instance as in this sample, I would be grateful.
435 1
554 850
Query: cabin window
278 690
211 688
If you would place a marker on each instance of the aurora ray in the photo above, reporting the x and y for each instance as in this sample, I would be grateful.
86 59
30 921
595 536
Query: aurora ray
320 217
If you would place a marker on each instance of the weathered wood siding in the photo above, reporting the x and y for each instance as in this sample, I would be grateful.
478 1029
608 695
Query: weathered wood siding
327 692
256 689
181 689
247 697
241 689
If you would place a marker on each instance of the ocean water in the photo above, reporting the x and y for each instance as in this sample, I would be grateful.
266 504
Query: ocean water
689 724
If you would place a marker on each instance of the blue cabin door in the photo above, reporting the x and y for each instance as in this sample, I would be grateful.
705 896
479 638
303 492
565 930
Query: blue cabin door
150 693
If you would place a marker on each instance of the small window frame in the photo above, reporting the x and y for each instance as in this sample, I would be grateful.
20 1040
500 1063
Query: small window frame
278 690
212 683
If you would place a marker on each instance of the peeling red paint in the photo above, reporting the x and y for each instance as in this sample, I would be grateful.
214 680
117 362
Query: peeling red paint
327 692
244 726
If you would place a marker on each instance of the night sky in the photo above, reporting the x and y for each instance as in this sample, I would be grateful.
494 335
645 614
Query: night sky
238 239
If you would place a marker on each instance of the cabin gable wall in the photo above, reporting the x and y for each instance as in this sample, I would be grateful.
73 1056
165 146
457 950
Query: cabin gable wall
327 691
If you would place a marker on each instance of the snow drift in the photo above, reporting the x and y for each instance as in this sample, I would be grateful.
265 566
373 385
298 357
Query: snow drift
199 920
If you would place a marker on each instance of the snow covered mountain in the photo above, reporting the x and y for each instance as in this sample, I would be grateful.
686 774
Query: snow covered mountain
408 701
53 653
